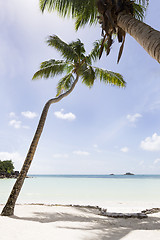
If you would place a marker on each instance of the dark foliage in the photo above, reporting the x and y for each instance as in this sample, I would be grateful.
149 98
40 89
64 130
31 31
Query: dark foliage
108 12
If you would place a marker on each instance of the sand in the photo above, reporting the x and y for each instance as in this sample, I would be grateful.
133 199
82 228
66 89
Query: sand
44 222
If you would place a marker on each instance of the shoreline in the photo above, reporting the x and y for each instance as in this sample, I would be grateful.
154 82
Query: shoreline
110 206
13 177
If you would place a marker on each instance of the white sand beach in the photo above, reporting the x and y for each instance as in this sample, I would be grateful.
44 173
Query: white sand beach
36 221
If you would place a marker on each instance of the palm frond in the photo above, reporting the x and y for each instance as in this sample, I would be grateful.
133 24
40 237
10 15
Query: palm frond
80 65
88 76
42 4
144 3
69 68
139 11
65 83
64 7
95 52
50 5
78 47
50 68
65 49
87 14
110 77
85 11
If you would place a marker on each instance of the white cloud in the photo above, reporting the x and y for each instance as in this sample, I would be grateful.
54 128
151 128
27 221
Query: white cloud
151 143
133 118
14 156
154 106
65 116
10 156
156 161
26 127
15 124
96 147
12 115
29 114
124 149
82 153
59 155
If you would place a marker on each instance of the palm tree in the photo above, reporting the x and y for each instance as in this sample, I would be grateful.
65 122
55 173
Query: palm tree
76 65
115 15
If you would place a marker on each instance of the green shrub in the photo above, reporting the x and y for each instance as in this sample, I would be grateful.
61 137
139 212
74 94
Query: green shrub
6 166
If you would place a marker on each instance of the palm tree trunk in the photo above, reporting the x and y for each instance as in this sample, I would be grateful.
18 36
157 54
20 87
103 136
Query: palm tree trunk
8 209
146 36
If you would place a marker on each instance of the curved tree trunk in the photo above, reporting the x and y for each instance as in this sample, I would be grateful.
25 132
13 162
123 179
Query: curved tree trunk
8 209
146 36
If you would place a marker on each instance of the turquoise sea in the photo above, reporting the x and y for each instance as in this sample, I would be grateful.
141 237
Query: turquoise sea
84 189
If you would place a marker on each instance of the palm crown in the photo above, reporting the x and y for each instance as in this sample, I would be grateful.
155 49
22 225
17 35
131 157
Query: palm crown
86 11
103 11
76 65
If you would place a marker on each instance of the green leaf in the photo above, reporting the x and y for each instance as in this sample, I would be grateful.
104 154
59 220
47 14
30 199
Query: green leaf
144 3
79 66
42 4
78 47
50 69
65 83
64 7
67 51
85 11
69 68
88 76
87 14
109 77
139 11
94 54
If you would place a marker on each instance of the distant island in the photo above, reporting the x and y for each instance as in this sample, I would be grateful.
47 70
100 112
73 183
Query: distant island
7 169
128 173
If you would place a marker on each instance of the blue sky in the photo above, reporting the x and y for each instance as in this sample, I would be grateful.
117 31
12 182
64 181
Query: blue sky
101 130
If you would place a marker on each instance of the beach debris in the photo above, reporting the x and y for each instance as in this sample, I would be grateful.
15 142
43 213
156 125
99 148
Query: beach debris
150 211
122 215
103 211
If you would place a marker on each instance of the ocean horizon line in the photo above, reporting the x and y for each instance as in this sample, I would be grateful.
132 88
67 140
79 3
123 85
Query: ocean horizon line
91 174
95 175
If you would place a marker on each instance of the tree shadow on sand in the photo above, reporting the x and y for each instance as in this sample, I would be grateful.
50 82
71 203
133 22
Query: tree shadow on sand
104 228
